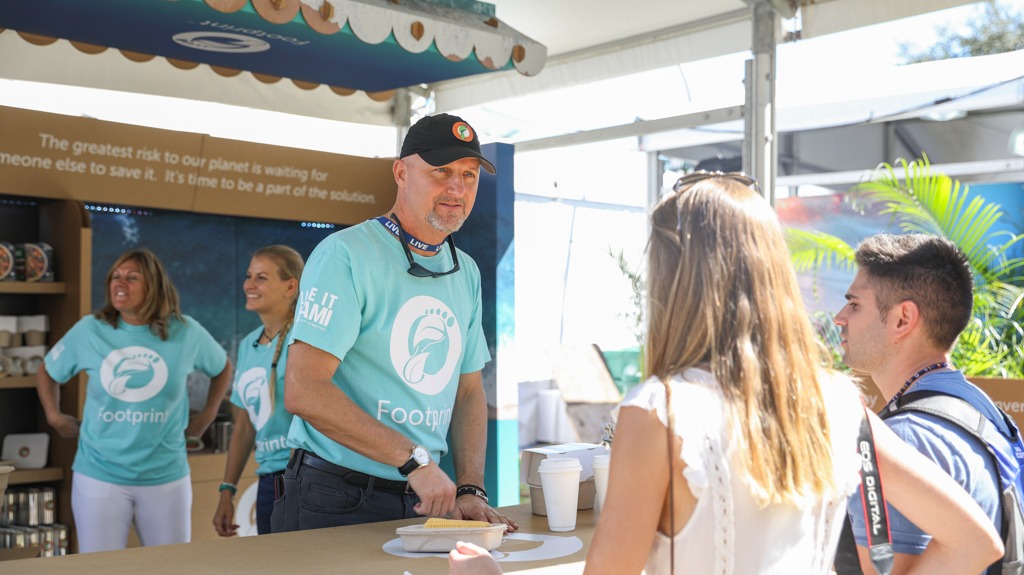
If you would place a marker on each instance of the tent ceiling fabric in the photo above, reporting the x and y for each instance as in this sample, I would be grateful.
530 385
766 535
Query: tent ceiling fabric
373 46
587 40
669 32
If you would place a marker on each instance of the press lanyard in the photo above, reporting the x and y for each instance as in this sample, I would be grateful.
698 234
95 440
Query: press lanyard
413 242
915 377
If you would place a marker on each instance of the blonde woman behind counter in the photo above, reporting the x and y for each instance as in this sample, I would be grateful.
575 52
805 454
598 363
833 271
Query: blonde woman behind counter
271 290
131 462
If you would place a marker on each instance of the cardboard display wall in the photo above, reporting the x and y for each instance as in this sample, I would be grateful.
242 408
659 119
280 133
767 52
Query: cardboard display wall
56 156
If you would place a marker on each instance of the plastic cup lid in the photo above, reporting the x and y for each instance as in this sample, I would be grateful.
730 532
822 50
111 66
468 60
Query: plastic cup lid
602 460
560 464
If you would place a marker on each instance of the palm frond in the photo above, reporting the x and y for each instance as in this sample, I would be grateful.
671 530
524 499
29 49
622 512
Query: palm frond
922 201
932 203
814 250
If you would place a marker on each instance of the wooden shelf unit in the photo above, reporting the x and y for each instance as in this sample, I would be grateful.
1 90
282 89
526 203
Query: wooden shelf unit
65 225
38 288
44 475
18 382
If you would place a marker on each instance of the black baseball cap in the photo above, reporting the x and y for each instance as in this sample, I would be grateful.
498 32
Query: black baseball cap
441 139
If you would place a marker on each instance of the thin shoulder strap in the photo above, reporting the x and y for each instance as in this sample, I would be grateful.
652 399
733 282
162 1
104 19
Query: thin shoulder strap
670 430
963 414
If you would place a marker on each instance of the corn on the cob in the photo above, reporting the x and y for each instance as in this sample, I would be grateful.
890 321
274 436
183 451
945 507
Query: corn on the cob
439 523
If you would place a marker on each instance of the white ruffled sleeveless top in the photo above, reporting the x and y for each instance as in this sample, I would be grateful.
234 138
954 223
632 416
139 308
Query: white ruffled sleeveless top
728 534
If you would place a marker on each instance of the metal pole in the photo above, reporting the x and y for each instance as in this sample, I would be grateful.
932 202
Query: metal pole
401 114
760 156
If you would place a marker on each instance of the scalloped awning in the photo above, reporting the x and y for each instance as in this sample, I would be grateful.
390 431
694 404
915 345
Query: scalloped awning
371 45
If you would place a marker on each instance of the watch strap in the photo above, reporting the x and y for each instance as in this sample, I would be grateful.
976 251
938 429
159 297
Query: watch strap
408 467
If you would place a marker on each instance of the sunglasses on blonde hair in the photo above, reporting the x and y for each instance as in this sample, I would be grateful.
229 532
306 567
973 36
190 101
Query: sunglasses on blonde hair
694 177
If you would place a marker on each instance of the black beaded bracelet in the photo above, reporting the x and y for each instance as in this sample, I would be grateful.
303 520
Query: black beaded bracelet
469 489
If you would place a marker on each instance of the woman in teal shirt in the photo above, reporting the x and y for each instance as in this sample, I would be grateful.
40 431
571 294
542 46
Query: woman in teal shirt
271 290
138 350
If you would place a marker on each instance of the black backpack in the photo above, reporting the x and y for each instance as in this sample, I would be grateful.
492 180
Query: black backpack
1007 455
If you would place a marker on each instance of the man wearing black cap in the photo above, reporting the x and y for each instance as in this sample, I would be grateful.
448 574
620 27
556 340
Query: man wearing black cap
386 353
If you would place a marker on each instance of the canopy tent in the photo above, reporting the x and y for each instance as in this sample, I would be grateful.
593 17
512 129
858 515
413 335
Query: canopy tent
586 40
346 45
590 40
593 40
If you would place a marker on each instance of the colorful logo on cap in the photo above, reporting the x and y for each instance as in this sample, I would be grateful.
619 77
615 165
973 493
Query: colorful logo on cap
462 131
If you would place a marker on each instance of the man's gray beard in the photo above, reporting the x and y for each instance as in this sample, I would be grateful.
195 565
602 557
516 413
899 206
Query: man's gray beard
448 226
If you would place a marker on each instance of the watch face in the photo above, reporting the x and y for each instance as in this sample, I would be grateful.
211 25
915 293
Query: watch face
421 455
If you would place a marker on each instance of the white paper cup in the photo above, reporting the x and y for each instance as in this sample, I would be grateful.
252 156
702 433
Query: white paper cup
560 478
600 465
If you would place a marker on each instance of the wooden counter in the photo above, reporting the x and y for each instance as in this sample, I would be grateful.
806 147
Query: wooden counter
357 549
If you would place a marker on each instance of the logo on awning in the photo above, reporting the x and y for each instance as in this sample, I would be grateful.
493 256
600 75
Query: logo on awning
221 42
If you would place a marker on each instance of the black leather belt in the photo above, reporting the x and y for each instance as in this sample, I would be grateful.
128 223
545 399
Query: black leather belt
350 476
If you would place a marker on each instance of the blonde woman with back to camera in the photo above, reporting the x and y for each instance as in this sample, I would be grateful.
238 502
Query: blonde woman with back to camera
763 441
271 289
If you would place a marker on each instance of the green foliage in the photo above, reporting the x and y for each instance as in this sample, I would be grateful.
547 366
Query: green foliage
639 285
828 334
995 30
813 250
922 201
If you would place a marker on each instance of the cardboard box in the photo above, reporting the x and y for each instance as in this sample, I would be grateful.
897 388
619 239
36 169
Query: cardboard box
530 463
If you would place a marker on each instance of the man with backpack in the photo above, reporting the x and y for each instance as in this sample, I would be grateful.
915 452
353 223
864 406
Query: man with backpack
909 301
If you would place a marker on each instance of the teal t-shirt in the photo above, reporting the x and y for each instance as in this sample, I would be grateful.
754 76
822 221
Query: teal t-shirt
403 341
251 392
136 403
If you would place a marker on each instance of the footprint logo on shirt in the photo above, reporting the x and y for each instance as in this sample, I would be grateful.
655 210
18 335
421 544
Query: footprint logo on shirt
133 374
426 343
254 389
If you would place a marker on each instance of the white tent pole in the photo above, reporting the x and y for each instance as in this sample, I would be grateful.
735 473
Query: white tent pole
401 115
760 151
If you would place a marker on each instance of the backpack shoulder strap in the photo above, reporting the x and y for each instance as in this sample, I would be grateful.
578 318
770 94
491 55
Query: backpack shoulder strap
963 414
952 409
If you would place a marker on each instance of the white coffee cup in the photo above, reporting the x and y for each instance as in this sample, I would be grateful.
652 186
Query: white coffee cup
560 479
600 465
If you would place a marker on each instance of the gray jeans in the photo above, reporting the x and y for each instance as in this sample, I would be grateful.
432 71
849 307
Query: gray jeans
315 498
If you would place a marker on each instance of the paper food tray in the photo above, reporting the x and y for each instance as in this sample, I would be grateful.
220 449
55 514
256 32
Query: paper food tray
439 540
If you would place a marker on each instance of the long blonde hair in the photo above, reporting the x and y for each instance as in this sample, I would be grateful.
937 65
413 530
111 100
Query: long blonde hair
160 304
289 266
723 295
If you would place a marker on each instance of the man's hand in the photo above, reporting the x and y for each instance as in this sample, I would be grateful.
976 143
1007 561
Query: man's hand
435 490
474 508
